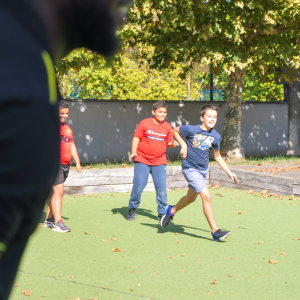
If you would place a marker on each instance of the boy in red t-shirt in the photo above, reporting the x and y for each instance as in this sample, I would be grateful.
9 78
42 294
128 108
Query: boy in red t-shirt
149 146
67 150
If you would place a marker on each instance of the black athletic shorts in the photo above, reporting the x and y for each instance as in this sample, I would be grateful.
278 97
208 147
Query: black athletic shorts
62 175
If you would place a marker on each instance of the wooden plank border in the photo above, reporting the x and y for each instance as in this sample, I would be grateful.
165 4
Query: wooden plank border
121 180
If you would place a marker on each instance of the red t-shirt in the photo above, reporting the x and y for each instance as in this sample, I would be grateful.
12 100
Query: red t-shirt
66 138
153 142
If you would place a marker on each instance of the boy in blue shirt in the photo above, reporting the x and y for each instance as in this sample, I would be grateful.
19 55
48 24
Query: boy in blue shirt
200 140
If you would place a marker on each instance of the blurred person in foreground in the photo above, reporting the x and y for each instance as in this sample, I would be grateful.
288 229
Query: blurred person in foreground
34 34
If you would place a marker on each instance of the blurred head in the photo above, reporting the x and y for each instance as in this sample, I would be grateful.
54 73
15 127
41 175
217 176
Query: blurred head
93 24
208 116
159 111
63 110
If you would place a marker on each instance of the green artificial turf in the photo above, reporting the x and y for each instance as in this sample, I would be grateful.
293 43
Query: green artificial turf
178 262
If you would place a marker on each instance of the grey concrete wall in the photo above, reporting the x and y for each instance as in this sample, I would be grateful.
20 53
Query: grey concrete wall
103 130
294 120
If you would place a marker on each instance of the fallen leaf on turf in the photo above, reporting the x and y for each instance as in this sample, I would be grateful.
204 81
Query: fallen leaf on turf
181 271
230 257
172 257
168 190
41 226
76 298
229 275
216 186
273 195
283 254
238 213
273 261
209 186
129 191
70 276
264 196
296 239
124 166
220 195
114 195
183 255
15 285
258 242
177 189
86 232
93 299
44 295
232 198
104 240
89 195
214 282
26 293
131 271
116 250
253 277
113 239
250 192
177 233
66 239
264 192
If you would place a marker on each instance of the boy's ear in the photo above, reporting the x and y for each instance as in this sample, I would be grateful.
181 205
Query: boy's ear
153 112
201 118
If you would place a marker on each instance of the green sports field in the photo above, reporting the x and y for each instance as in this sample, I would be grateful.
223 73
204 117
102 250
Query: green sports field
178 262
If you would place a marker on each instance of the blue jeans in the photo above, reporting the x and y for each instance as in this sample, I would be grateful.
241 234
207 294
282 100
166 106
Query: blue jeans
140 180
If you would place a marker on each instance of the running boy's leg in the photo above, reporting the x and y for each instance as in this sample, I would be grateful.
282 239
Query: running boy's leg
184 201
56 201
206 201
141 174
207 209
159 175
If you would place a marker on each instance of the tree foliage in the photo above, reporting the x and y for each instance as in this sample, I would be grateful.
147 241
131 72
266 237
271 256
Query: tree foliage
257 35
86 75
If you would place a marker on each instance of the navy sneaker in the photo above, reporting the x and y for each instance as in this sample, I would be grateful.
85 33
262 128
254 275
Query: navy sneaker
131 214
159 217
220 235
48 222
60 227
166 218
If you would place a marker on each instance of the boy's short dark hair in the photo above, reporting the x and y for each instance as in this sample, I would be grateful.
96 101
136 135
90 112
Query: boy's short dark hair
159 104
63 104
205 108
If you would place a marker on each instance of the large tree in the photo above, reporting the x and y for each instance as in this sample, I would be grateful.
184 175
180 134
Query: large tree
238 36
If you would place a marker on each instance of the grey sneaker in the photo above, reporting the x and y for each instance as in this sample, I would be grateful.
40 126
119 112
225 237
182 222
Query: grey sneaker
48 222
131 214
60 227
166 218
220 235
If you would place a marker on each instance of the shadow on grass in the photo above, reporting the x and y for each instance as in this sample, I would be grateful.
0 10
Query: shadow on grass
179 229
139 211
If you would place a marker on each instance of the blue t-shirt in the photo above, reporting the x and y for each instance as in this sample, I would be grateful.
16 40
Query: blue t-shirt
199 144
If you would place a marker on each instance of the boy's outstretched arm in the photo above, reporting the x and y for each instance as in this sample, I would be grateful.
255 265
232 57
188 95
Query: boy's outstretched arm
134 145
218 158
75 156
182 143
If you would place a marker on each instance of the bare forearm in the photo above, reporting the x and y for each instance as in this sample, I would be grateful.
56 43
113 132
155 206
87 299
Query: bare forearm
222 164
178 137
134 144
74 154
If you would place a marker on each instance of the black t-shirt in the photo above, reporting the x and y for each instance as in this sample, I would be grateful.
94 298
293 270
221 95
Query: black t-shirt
29 123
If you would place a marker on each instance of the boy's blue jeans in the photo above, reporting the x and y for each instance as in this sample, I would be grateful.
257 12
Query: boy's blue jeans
140 180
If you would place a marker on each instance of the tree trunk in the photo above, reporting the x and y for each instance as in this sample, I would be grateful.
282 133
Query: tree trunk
231 146
188 87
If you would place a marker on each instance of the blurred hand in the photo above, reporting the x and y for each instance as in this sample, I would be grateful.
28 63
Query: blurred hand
172 144
183 151
233 177
132 155
78 168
